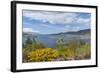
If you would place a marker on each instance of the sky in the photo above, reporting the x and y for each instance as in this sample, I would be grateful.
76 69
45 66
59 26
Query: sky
51 22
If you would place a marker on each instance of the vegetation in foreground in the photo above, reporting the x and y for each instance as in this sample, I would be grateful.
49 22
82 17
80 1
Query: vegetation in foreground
34 51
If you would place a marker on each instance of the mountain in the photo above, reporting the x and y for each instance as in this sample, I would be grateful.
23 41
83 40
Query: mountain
29 33
80 32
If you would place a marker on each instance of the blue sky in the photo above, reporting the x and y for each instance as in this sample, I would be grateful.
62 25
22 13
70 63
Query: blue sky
50 22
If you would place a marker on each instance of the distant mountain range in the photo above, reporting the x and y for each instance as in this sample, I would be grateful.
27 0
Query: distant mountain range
86 31
80 32
29 33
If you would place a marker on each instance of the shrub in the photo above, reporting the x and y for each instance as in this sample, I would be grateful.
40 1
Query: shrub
69 53
69 50
28 41
85 51
46 54
25 52
29 48
34 46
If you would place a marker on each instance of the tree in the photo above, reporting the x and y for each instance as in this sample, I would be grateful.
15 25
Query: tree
33 40
28 41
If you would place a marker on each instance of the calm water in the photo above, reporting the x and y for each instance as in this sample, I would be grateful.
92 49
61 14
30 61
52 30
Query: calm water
50 41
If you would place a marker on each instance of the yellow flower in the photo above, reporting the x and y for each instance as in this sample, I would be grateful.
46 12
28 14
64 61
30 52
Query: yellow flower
45 54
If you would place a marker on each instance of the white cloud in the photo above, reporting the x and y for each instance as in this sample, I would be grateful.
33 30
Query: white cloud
70 28
49 26
51 17
75 29
59 18
30 30
26 23
84 21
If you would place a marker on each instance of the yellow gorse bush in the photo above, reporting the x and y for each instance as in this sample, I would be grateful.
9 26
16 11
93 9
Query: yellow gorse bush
46 54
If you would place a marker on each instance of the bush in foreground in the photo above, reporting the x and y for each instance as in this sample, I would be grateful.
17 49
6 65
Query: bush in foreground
46 54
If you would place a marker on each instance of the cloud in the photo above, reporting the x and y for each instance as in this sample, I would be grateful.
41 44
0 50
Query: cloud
72 28
30 30
53 22
85 21
49 26
51 17
27 23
